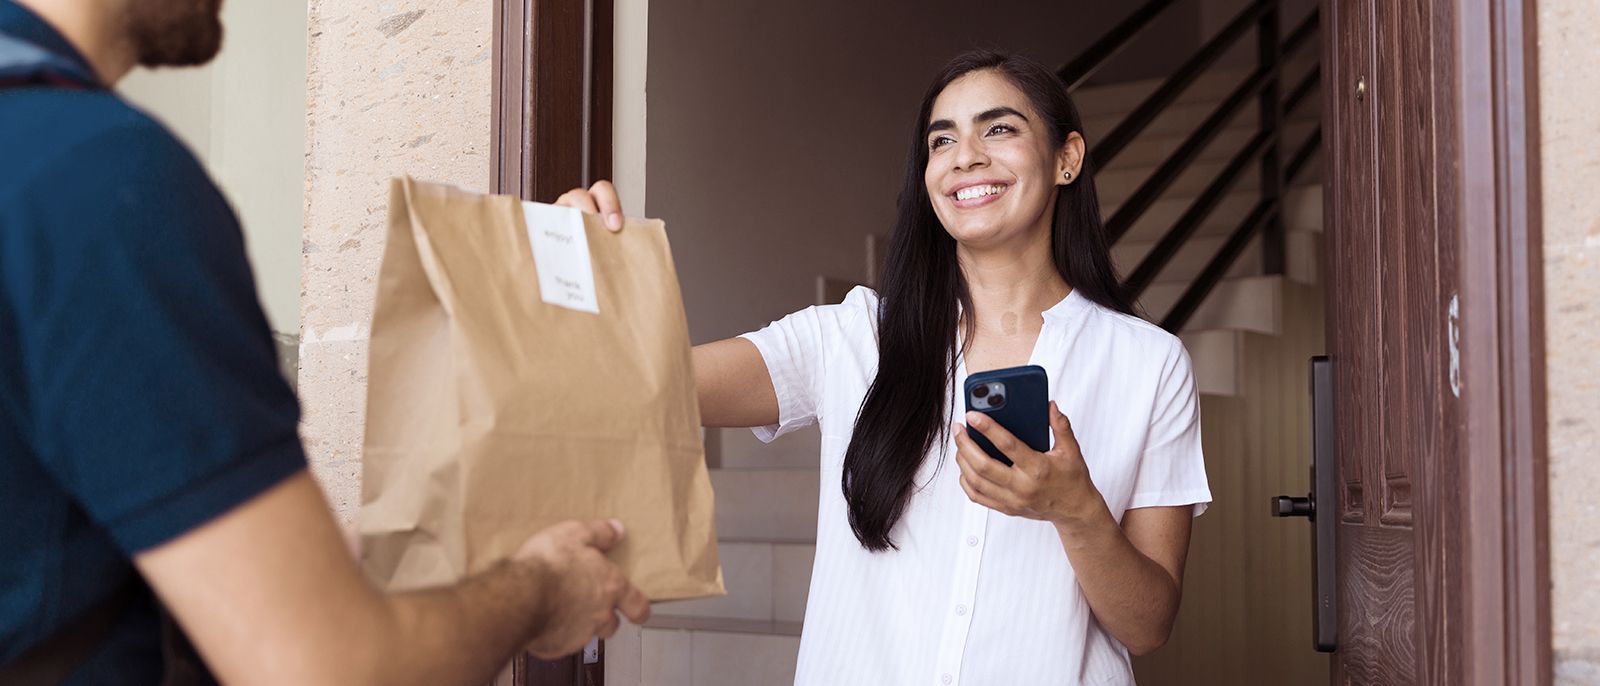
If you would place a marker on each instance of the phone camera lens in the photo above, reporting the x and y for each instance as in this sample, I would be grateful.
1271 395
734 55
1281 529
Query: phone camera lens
980 391
996 400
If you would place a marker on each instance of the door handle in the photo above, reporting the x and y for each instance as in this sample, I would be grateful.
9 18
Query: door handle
1324 519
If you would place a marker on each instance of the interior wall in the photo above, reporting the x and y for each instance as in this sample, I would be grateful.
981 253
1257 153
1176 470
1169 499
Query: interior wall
1569 126
1246 613
244 116
777 131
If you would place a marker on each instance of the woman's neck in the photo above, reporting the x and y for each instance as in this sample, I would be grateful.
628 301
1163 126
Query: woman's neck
1011 286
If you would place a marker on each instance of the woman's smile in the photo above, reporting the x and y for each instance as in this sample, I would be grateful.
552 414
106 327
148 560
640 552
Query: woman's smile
978 194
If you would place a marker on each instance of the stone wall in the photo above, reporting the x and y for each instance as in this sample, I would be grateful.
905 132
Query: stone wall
1569 103
399 87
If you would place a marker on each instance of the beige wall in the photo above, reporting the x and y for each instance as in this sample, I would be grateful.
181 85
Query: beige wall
244 116
778 131
396 88
1569 102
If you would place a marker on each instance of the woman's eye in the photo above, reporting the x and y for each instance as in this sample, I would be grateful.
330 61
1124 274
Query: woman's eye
1001 128
939 142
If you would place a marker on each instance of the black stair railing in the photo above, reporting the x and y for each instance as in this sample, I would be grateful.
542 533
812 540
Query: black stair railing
1261 85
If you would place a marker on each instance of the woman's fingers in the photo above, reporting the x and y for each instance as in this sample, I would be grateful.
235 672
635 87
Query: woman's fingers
1008 444
608 203
1061 426
580 199
973 459
976 494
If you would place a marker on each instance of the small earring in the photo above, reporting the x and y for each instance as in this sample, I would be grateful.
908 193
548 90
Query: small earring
1066 175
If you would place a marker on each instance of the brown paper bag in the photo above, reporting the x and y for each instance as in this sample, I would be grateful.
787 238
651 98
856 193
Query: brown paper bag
492 414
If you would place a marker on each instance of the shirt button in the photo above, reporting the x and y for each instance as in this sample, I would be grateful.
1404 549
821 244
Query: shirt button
946 678
961 610
972 540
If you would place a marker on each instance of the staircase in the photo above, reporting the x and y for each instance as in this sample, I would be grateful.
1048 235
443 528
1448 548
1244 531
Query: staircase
766 495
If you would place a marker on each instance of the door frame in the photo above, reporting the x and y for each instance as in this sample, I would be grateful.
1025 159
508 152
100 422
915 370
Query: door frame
551 100
1504 506
550 131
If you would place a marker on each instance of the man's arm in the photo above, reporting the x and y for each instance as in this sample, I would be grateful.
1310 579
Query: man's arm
269 595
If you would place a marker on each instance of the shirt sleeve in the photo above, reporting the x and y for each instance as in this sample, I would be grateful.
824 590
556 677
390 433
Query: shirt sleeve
153 391
1172 469
795 350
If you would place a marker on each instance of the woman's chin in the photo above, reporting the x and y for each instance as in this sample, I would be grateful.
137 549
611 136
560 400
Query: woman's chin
981 235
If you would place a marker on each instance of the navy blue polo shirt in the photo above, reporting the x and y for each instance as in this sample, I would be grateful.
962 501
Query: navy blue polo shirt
139 391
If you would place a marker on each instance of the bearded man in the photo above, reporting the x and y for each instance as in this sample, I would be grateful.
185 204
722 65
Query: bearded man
149 463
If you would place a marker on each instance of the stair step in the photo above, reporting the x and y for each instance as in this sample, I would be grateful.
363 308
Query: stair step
1248 304
1118 184
766 582
1148 151
1302 212
766 504
1302 247
1213 84
1184 116
740 449
1214 355
710 652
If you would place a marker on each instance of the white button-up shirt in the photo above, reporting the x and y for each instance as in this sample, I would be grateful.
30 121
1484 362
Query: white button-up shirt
973 596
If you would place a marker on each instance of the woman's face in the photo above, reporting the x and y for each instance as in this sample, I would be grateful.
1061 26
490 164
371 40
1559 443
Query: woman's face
992 171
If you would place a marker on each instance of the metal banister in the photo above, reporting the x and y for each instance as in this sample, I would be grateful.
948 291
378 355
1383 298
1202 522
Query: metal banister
1192 218
1163 177
1101 51
1266 85
1152 107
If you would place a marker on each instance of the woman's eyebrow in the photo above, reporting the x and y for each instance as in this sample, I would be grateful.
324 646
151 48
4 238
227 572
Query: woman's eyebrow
990 114
994 113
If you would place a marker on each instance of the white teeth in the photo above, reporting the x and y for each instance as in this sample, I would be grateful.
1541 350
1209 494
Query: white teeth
971 192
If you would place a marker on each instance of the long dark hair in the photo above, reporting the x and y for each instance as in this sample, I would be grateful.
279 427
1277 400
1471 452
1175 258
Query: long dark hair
922 294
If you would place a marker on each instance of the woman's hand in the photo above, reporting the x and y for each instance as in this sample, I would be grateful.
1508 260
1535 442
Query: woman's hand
1051 486
601 199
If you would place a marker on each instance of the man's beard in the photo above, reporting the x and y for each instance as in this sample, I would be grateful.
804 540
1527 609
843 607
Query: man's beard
175 33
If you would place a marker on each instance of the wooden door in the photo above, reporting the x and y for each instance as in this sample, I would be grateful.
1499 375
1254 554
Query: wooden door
1390 279
1428 229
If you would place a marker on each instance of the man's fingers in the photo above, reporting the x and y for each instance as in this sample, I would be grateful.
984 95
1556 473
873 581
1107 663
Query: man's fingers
609 628
608 202
634 605
603 534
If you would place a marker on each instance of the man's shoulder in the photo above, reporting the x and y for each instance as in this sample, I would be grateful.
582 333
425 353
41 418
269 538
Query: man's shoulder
58 130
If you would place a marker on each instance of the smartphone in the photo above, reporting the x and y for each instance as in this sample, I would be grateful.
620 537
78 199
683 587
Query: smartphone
1018 399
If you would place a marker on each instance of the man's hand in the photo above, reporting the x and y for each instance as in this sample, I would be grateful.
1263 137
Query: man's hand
582 589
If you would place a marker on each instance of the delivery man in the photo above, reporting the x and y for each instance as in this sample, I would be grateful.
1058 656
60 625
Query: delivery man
148 452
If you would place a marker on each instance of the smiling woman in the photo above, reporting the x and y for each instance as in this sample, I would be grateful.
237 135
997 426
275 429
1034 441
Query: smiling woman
935 563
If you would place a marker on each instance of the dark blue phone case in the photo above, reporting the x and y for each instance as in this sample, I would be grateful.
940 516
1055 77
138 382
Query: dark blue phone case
1025 413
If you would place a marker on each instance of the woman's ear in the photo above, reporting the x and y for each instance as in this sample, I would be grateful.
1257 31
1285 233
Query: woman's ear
1069 159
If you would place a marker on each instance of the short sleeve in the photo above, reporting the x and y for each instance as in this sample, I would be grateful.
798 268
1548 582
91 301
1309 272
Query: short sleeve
152 390
795 350
1172 467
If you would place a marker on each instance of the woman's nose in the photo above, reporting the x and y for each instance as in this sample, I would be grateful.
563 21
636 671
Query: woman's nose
969 154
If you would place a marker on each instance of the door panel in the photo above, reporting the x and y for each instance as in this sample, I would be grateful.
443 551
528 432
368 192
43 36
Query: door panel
1390 278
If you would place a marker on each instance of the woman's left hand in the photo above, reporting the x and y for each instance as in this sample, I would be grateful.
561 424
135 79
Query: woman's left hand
1051 486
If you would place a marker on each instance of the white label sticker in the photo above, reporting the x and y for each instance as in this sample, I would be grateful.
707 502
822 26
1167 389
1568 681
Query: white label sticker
561 254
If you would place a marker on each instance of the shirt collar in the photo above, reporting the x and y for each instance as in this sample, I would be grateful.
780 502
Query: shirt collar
20 23
1069 306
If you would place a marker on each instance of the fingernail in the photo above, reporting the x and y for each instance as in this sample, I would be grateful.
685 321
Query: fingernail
614 220
617 524
976 419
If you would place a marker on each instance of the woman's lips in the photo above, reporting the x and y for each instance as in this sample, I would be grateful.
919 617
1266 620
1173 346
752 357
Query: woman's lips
983 195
